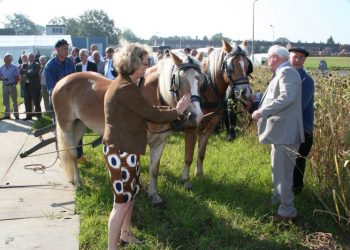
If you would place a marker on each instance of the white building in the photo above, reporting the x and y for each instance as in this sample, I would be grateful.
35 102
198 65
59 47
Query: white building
15 45
56 29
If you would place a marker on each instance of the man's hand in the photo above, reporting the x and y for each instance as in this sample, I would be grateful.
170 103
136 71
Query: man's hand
256 115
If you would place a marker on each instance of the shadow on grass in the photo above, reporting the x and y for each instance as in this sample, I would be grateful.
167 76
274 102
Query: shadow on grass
254 202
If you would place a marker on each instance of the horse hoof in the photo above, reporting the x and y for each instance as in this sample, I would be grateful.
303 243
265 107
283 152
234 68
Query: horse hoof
187 185
199 174
155 199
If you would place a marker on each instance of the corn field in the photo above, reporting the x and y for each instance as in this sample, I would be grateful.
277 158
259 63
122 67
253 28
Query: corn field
329 160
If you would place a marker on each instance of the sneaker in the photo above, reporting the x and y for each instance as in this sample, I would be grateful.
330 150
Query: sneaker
279 218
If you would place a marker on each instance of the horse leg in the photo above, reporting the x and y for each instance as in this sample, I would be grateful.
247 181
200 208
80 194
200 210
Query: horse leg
203 142
67 152
157 144
79 131
190 142
202 147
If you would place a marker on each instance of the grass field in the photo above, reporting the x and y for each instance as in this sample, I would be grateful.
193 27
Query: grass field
229 208
334 63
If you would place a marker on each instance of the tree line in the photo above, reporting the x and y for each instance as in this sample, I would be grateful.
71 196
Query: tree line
96 23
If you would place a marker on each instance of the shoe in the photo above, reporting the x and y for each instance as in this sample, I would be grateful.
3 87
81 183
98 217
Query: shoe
5 117
231 136
280 218
16 117
134 241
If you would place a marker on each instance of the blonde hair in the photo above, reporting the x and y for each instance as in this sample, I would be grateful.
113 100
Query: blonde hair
129 57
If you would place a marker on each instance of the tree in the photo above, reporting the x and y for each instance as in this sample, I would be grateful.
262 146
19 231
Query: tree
330 41
22 25
91 23
129 36
282 40
72 25
97 23
216 37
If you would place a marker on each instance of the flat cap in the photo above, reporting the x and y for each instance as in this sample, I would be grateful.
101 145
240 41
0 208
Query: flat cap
301 50
60 43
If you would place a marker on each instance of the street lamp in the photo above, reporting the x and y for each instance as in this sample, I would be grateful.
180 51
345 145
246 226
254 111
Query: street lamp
273 33
253 32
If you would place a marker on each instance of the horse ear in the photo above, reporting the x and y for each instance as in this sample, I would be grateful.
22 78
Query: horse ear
177 61
226 46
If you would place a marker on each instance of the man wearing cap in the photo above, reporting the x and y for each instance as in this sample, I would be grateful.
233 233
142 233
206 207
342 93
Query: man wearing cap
280 123
297 59
9 76
58 66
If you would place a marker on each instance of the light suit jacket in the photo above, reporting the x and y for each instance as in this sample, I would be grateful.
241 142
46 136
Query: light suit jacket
281 109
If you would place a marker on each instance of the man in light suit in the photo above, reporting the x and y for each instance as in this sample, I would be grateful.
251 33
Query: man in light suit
280 123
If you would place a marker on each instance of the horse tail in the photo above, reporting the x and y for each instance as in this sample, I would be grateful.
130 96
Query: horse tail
67 152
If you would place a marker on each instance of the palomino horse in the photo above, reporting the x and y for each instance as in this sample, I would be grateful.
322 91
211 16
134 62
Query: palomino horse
78 103
224 67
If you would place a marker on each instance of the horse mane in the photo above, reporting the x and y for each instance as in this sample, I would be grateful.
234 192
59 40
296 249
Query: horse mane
213 67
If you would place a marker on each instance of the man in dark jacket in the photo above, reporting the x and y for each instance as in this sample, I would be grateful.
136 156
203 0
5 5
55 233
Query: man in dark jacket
32 89
85 65
297 59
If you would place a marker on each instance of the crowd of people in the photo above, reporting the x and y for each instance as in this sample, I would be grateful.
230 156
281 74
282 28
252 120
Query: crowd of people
37 75
284 117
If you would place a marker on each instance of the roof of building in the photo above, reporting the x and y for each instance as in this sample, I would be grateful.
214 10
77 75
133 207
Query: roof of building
45 41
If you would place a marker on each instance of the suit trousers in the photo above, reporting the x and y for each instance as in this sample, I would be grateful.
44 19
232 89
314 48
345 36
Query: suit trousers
32 96
283 161
9 91
304 150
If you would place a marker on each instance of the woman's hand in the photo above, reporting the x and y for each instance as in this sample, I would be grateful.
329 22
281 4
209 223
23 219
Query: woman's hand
183 103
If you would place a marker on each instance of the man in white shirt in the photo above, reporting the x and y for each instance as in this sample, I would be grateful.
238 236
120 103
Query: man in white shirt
109 70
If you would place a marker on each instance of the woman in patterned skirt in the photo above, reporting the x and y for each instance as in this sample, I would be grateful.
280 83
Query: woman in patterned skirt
125 136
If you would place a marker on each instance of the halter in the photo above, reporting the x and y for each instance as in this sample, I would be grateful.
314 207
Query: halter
229 69
175 79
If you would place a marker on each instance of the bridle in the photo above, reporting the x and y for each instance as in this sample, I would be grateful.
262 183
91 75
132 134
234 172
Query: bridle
175 79
228 69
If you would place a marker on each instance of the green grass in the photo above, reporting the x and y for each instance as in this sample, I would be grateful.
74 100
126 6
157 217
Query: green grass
228 208
333 63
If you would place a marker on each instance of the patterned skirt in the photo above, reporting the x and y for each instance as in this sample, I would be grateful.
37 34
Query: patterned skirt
124 170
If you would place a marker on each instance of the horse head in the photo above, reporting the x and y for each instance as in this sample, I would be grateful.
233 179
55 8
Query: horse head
178 75
230 66
237 68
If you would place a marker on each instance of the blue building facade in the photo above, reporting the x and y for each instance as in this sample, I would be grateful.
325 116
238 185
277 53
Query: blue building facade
86 42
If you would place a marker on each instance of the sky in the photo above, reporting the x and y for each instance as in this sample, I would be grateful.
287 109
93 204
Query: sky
296 20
